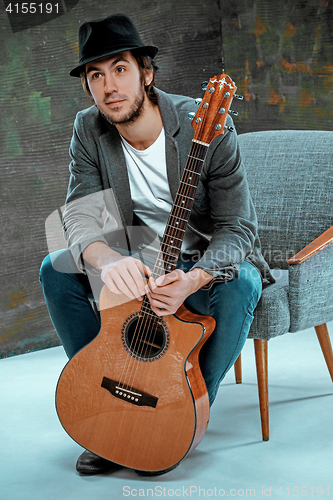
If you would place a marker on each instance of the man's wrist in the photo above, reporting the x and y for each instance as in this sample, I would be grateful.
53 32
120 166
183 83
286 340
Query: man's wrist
99 254
198 278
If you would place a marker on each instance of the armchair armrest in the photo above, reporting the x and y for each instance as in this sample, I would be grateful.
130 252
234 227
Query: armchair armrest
311 284
323 241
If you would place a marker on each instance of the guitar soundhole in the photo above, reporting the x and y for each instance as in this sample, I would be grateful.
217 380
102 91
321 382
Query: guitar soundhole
143 339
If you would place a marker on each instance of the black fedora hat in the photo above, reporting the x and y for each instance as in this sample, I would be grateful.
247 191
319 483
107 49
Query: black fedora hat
105 37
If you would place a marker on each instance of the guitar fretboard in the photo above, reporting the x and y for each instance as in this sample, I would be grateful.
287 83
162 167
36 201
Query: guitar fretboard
181 209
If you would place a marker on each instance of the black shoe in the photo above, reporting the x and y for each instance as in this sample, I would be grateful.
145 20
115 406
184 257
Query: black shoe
158 473
88 464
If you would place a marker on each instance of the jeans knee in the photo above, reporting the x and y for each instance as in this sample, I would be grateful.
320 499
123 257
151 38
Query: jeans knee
57 264
50 275
246 287
46 269
250 282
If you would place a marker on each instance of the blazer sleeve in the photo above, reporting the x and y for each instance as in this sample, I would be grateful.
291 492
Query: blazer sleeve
227 209
86 219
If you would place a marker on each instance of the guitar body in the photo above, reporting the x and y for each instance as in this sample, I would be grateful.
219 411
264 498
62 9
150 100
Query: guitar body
161 409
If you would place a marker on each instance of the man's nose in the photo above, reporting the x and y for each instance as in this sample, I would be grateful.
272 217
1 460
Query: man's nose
110 84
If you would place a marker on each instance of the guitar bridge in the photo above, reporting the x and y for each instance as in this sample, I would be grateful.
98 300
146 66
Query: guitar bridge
130 394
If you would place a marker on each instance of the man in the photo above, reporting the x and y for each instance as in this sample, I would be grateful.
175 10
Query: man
128 151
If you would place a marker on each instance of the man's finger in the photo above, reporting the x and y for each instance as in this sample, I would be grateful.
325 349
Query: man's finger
166 279
122 286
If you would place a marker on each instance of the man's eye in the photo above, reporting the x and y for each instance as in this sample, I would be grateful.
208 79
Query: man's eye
95 75
120 69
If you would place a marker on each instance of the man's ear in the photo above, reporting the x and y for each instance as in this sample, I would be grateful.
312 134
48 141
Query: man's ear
148 76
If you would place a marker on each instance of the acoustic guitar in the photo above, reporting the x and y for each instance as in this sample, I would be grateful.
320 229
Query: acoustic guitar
135 395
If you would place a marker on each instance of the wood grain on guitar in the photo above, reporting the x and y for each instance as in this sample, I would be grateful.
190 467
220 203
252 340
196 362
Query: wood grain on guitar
136 395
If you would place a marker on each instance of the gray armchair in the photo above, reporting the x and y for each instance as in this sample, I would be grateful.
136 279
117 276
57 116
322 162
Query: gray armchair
290 174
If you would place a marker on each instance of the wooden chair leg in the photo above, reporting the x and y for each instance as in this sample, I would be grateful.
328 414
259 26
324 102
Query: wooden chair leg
238 370
260 348
326 346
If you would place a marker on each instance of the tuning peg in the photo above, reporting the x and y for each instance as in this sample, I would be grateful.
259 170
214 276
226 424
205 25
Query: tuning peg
204 85
240 97
198 101
191 115
231 112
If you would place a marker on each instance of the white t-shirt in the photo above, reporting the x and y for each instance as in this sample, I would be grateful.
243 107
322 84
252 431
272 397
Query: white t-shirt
150 192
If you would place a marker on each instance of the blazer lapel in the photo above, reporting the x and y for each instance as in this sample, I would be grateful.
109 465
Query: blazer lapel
171 126
116 172
176 150
172 163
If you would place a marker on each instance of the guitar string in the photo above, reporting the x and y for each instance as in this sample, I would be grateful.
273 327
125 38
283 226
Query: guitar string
145 312
152 319
149 321
146 321
165 257
136 338
155 320
149 324
179 195
179 209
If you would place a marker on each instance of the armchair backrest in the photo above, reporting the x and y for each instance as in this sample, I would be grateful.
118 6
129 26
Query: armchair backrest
290 174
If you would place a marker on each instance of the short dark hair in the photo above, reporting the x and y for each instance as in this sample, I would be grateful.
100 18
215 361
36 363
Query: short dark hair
144 62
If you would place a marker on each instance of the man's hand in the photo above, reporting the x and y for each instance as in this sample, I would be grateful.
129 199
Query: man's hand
167 293
126 276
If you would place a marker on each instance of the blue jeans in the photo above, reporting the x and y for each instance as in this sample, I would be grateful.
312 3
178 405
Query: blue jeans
231 304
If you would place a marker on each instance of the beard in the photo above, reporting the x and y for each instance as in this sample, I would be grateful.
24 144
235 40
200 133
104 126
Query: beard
131 116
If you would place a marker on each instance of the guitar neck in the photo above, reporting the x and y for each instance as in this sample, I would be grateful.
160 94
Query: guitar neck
175 229
208 123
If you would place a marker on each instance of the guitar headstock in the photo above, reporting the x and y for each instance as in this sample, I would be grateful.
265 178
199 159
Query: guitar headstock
209 121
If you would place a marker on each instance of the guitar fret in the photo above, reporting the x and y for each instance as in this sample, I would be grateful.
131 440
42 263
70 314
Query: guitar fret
176 248
167 255
198 159
164 252
179 218
187 184
184 196
198 153
146 309
182 208
191 171
167 266
173 237
177 228
200 142
172 246
150 313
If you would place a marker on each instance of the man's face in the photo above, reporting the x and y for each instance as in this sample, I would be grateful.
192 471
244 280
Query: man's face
117 88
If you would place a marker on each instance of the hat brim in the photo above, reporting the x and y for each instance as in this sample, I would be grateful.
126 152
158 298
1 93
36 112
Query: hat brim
149 50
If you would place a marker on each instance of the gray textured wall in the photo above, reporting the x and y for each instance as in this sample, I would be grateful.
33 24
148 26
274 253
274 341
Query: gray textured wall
279 54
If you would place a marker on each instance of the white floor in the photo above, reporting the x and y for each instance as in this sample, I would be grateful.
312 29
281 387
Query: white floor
37 457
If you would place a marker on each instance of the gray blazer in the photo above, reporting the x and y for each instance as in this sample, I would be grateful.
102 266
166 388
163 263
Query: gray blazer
99 200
